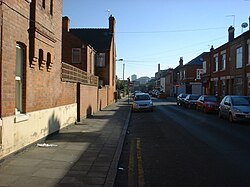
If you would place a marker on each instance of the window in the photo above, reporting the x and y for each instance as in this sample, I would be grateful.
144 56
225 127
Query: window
51 7
248 62
40 60
248 85
238 85
48 61
223 87
223 62
239 57
215 68
19 77
43 3
100 60
204 65
76 55
198 73
100 82
216 88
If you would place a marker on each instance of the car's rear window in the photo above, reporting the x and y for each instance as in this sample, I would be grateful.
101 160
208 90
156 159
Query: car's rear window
193 97
142 97
213 99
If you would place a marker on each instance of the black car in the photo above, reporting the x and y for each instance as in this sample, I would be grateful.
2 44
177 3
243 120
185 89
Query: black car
191 101
180 99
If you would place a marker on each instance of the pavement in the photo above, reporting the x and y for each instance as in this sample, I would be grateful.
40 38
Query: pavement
83 154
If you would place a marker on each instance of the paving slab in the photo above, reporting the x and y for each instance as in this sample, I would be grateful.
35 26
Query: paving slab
83 154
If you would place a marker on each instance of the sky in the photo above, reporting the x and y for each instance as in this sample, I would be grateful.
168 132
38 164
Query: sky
152 32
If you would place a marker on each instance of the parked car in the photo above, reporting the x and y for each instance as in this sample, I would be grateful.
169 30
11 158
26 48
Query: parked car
155 93
208 103
142 101
191 100
235 108
180 99
135 93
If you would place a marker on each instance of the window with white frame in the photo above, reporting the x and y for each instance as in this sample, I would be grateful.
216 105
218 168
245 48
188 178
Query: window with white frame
198 73
216 61
100 60
76 55
204 65
184 74
239 57
19 77
223 62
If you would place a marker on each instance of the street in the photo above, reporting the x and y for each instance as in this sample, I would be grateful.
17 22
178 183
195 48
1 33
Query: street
174 146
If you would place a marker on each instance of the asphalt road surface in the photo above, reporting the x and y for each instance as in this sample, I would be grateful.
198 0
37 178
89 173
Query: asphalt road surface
174 146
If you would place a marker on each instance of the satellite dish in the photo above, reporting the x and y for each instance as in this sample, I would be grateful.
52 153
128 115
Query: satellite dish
244 25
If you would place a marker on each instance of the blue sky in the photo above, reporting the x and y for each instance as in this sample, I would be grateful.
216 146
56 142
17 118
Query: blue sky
152 32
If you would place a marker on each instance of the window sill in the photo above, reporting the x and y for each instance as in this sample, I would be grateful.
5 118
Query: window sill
21 117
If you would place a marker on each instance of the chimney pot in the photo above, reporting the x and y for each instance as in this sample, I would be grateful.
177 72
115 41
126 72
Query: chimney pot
230 33
181 61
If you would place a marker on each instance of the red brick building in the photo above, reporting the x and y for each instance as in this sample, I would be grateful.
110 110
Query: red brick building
92 50
39 93
227 68
34 102
187 78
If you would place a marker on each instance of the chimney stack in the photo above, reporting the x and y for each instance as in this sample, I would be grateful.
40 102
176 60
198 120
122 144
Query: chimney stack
230 33
159 67
65 23
112 24
181 61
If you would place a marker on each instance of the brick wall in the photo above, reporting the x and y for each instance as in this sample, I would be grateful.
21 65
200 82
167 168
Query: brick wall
103 98
14 29
42 87
88 100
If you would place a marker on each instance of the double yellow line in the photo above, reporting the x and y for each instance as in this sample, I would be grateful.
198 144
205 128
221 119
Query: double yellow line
135 159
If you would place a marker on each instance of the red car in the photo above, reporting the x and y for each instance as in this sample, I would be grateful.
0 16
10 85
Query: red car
208 103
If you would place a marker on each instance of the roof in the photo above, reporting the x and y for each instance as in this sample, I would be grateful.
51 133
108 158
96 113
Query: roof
100 39
197 61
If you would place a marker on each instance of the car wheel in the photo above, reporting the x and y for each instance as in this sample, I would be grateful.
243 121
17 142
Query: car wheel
204 110
231 119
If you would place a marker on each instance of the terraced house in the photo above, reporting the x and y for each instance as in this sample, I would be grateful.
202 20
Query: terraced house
227 68
39 93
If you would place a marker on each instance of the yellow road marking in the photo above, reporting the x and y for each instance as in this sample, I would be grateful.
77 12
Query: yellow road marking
139 161
131 164
135 157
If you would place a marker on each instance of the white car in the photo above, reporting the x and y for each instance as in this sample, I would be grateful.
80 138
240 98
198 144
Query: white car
142 101
235 108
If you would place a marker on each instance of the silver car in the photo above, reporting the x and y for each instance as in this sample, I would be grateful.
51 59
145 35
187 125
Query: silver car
142 101
235 108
